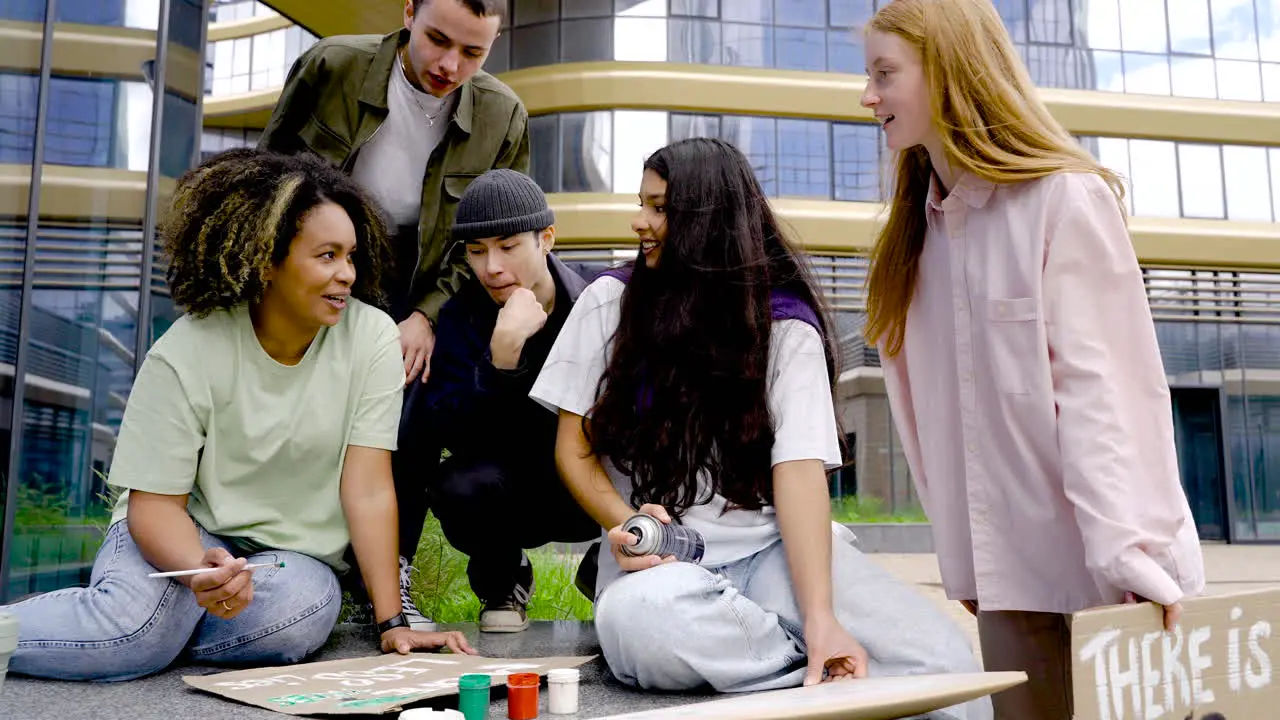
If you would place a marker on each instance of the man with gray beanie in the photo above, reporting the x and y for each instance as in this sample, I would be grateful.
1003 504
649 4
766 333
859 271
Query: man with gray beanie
496 492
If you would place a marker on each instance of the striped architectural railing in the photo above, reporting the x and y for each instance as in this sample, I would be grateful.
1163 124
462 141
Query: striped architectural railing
74 258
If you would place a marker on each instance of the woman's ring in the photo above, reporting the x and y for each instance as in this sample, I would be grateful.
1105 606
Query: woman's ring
226 606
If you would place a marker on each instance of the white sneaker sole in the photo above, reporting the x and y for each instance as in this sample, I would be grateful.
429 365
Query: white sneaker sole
505 628
484 628
422 625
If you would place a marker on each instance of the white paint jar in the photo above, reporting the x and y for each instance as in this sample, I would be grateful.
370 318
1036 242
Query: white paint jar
562 687
429 714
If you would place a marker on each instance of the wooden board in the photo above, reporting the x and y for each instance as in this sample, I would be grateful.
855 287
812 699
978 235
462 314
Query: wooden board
365 686
876 698
1218 663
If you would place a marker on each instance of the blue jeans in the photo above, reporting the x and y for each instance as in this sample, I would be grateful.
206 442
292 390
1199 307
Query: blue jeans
126 625
737 627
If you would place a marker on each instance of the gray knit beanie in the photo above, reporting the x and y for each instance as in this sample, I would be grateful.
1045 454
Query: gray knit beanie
501 203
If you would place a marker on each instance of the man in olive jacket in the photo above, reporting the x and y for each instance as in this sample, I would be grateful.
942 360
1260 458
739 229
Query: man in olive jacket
412 117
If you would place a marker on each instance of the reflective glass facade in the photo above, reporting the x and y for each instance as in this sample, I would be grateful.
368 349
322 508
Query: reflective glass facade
89 156
1227 49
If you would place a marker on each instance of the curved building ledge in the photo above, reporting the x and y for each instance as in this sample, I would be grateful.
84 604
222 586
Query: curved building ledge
97 51
235 29
249 110
585 220
576 87
341 17
73 193
848 228
571 87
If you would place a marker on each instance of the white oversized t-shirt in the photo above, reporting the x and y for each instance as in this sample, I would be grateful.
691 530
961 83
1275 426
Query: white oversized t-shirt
393 163
799 398
258 447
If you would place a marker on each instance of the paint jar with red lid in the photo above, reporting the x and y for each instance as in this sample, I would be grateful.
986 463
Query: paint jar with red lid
522 696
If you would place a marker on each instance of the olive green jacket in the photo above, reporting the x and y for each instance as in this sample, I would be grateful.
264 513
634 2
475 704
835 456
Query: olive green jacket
335 99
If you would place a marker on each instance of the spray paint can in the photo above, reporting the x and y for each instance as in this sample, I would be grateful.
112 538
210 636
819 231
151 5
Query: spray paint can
655 537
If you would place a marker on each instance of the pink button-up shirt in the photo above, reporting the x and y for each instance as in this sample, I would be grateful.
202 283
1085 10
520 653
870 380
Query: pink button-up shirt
1033 406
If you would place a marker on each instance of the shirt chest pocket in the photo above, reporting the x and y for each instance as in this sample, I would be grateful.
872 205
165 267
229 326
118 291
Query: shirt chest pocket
324 142
1013 341
455 184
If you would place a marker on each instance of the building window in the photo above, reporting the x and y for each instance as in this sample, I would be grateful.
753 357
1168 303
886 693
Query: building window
216 140
804 158
92 123
586 152
757 138
258 62
857 159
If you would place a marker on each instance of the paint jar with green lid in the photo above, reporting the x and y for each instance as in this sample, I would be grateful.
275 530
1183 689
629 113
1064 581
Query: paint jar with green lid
473 696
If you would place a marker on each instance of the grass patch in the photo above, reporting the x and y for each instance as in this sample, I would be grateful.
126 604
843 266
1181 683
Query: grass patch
441 590
442 593
855 509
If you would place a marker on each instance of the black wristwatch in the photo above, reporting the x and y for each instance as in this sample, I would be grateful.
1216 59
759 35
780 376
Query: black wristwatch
395 621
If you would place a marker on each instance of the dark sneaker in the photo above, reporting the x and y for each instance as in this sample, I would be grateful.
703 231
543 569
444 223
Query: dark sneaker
585 578
510 614
417 621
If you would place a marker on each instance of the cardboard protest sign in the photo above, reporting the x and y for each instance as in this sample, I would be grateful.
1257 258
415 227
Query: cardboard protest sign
1219 660
872 698
369 685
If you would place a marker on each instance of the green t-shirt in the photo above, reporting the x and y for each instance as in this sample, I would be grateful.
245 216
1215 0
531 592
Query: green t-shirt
259 446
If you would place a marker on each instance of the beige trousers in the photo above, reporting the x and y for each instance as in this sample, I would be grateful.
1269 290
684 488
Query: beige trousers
1038 644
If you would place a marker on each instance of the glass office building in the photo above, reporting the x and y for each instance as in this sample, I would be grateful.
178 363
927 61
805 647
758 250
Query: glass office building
88 152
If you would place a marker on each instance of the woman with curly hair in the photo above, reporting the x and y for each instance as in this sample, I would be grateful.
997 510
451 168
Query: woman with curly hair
259 430
696 386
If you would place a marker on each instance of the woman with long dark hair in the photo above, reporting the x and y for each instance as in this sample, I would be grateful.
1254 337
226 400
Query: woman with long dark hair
696 386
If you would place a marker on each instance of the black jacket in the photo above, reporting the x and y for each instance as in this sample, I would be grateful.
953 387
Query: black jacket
469 408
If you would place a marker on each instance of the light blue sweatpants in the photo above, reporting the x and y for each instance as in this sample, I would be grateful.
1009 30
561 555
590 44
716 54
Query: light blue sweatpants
737 627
